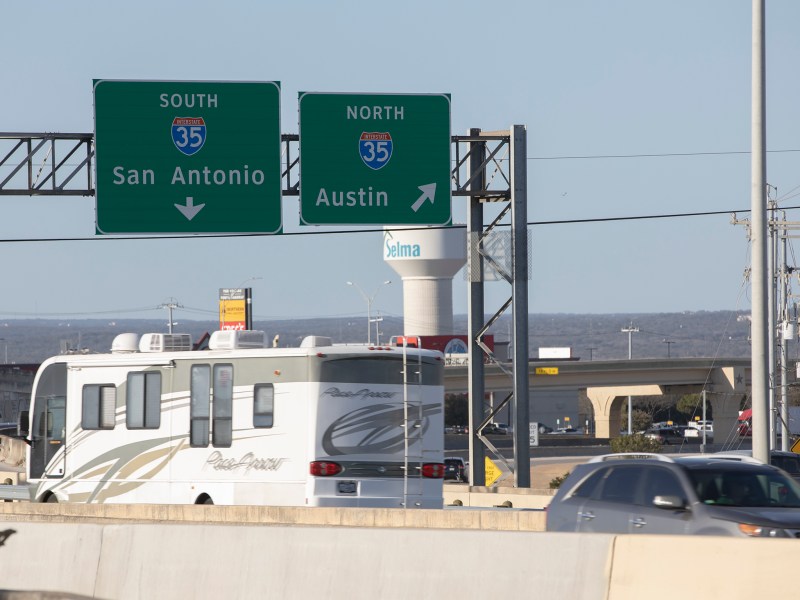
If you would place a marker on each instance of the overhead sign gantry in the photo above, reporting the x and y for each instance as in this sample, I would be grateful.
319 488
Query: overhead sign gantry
167 154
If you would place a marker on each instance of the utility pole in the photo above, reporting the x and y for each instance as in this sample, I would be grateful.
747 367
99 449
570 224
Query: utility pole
170 306
377 320
630 330
368 299
772 300
787 333
668 343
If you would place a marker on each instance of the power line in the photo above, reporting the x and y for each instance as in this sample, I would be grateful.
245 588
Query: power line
372 230
655 155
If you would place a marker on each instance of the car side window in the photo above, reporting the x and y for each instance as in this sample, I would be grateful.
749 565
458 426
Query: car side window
621 483
787 463
589 485
661 482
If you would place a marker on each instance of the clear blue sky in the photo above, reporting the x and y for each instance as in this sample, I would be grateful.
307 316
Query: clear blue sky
588 79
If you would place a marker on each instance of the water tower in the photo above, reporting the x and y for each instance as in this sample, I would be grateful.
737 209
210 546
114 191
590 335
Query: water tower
426 259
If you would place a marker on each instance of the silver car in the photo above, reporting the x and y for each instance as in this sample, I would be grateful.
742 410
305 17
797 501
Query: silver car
656 494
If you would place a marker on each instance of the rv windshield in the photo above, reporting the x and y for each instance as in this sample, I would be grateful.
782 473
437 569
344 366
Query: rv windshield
381 369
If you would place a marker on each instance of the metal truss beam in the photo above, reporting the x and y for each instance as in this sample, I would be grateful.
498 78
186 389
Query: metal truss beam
46 164
60 164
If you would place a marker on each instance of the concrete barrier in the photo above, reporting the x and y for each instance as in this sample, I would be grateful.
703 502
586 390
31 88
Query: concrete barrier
50 557
39 595
216 561
464 495
500 520
155 561
708 567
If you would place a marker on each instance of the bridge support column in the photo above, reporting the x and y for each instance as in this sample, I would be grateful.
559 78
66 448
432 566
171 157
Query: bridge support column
725 397
607 403
607 412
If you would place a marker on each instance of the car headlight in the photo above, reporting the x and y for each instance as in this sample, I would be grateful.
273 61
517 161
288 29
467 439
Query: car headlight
759 531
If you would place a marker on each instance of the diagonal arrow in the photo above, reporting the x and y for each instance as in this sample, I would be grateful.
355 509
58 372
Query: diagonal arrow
189 210
428 192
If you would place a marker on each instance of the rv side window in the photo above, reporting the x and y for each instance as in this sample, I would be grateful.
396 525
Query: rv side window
200 405
263 405
222 432
143 401
99 405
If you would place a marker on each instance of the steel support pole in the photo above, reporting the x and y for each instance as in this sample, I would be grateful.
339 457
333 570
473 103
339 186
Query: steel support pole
248 315
758 231
519 294
477 451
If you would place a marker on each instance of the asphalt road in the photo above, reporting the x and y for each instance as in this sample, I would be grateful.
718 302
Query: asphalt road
458 445
559 454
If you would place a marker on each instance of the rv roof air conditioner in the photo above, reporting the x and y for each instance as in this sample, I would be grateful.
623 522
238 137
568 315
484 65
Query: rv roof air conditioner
234 339
316 341
125 343
165 342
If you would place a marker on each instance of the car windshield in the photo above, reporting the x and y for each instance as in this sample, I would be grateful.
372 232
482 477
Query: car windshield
753 488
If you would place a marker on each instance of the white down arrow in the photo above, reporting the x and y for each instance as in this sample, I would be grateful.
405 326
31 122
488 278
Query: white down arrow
189 210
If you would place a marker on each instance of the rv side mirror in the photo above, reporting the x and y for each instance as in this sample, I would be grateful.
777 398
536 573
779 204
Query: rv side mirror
23 424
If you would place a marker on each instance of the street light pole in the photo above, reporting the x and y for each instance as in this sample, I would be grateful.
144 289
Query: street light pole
630 331
368 300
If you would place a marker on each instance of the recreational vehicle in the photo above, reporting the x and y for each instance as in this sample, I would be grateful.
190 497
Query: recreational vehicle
154 421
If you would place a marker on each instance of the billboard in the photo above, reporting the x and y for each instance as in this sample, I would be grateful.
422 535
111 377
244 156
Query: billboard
235 309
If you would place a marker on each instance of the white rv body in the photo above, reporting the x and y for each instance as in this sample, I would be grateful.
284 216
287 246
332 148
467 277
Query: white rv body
309 426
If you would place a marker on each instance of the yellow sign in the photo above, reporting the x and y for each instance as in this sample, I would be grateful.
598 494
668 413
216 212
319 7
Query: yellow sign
795 447
546 370
232 314
493 472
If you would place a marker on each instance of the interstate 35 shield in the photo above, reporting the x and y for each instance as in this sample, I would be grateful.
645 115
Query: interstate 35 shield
189 134
375 149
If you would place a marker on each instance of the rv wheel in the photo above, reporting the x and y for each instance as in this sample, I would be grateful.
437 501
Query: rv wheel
52 499
204 499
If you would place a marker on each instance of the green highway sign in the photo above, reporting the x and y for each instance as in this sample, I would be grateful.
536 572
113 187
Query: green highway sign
374 159
187 156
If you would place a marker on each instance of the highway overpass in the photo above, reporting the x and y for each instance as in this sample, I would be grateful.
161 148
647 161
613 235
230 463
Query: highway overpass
608 383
